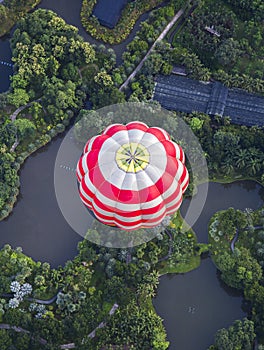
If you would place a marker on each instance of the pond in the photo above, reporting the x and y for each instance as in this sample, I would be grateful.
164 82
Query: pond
195 305
36 223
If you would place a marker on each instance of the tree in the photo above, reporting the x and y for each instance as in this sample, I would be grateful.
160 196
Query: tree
241 158
243 270
5 340
90 123
228 52
103 79
39 280
48 54
25 128
19 97
196 124
239 336
107 96
140 327
3 13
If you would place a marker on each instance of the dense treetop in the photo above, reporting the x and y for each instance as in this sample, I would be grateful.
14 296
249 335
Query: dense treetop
47 53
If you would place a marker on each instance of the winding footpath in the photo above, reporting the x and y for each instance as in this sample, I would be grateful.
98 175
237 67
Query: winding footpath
232 245
161 37
13 118
18 110
39 301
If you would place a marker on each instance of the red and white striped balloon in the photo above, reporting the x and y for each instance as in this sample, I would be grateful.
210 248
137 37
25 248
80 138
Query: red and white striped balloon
132 176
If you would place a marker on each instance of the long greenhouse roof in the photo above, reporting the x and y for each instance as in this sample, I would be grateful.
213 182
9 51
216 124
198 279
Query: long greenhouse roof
187 95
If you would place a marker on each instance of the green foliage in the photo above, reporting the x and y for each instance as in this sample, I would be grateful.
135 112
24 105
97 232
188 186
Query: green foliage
8 181
90 123
134 325
239 336
25 128
242 268
48 53
196 124
228 39
19 97
231 150
255 294
248 8
13 10
228 52
125 24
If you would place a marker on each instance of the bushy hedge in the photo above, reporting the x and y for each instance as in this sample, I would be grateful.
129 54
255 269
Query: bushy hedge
128 18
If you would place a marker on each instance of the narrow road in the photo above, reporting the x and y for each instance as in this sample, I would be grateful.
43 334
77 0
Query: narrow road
44 302
161 37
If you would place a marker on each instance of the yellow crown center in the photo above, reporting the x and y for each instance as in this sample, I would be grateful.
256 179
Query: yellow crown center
132 157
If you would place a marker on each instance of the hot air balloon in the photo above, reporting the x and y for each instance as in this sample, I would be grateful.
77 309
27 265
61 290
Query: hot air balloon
132 176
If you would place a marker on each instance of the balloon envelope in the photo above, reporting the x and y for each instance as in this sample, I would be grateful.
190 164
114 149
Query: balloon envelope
132 176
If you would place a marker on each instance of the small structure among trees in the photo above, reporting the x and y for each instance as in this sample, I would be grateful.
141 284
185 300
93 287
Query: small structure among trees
212 31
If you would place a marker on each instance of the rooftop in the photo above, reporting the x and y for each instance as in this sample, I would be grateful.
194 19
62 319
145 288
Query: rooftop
187 95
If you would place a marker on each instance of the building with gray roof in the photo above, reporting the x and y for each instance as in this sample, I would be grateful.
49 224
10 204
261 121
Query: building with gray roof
187 95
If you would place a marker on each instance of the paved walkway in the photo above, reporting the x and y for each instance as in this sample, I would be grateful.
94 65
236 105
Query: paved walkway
39 301
161 37
14 146
17 111
232 245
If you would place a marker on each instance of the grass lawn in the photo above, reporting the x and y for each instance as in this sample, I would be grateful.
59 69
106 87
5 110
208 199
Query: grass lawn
192 263
190 259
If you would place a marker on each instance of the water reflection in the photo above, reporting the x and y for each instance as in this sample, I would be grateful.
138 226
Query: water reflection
5 70
195 305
